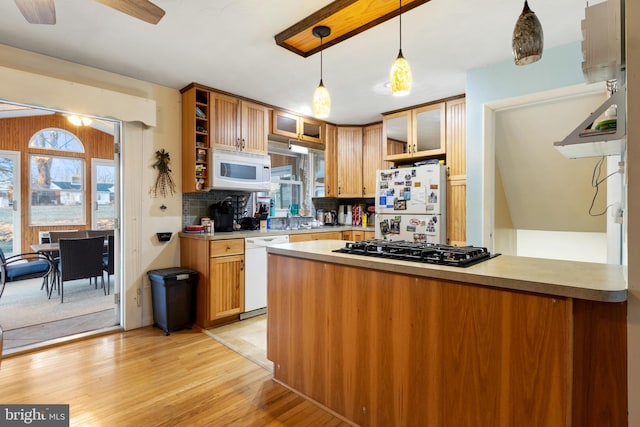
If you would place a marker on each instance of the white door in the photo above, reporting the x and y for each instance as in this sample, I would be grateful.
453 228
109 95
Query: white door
10 202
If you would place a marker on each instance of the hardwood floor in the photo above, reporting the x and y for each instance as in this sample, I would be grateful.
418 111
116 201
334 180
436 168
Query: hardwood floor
44 334
144 378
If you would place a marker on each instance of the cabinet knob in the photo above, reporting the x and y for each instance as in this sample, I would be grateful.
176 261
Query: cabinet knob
243 144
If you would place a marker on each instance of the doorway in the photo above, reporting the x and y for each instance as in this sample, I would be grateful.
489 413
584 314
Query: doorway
102 192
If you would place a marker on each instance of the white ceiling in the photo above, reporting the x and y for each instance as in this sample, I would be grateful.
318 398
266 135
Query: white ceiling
229 45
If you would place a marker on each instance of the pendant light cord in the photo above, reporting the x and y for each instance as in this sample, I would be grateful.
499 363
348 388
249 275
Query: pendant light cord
400 16
321 59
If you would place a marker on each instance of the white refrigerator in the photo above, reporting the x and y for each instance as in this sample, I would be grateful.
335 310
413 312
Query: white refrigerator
411 203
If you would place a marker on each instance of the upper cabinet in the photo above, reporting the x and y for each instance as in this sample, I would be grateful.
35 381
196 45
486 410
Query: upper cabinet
372 158
239 125
297 127
330 161
196 120
415 133
349 159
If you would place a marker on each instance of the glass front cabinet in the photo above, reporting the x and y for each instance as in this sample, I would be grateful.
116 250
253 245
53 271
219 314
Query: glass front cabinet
297 127
415 133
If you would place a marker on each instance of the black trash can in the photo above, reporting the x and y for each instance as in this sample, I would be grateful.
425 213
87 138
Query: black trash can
173 292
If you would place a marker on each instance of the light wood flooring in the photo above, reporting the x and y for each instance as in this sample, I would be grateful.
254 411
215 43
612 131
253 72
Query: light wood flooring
144 378
44 334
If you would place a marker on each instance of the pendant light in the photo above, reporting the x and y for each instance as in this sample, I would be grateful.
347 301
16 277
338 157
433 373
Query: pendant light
321 104
400 76
528 39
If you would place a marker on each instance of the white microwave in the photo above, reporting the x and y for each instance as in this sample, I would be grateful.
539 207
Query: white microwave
235 170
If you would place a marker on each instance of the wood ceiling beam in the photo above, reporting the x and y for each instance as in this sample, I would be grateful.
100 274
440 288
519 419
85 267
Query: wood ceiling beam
346 18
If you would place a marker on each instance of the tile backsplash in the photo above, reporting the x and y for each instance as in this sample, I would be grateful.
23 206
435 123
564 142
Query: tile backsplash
196 205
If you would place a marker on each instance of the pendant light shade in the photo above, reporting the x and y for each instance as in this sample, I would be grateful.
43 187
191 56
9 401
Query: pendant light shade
528 39
321 104
400 76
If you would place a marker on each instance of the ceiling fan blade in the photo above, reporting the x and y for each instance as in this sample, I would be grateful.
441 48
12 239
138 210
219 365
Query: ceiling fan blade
38 11
141 9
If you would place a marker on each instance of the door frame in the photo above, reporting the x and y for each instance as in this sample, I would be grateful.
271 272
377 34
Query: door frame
17 200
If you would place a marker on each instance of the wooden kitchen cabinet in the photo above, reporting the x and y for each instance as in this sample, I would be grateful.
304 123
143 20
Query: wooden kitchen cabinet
220 267
330 161
306 237
293 126
372 158
239 124
481 356
456 173
195 138
352 156
358 235
349 161
420 131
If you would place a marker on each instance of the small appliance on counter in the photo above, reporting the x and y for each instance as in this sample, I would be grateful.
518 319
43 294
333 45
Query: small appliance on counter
342 214
330 218
250 223
222 215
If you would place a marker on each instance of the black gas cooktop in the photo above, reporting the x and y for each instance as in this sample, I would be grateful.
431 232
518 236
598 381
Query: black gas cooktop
431 253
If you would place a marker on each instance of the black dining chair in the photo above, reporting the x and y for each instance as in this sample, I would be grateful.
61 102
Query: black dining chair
80 259
25 266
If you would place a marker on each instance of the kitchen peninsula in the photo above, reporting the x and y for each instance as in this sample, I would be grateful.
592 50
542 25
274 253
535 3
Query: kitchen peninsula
511 341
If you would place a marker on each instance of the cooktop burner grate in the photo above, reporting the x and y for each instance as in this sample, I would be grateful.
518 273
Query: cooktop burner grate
431 253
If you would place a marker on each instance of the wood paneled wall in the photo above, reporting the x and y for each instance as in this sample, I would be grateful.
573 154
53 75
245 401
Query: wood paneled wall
15 134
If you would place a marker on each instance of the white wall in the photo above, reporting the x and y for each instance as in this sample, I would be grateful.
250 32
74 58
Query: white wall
566 245
80 89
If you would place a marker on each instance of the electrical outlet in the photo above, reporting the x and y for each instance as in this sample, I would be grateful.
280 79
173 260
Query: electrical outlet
617 213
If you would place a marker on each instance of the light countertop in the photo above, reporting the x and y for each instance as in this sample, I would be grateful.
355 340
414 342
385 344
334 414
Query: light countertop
582 280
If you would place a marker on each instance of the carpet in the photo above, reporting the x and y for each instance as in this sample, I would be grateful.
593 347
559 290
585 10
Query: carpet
247 337
25 304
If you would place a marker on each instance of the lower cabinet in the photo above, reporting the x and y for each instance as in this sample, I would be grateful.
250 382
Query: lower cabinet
388 349
358 235
305 237
220 291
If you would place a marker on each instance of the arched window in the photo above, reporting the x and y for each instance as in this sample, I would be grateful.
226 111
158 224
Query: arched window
57 179
56 139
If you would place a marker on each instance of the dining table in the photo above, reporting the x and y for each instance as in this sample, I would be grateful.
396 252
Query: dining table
51 250
46 248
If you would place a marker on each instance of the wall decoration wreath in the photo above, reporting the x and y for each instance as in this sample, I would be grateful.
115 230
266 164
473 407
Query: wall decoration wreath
164 182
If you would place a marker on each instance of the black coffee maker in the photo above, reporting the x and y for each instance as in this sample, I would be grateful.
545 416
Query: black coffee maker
222 215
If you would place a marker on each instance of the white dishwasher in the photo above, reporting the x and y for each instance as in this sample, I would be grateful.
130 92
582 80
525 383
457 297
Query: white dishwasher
255 273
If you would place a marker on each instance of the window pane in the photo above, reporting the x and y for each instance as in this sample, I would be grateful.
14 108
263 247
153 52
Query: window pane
105 186
56 139
57 190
